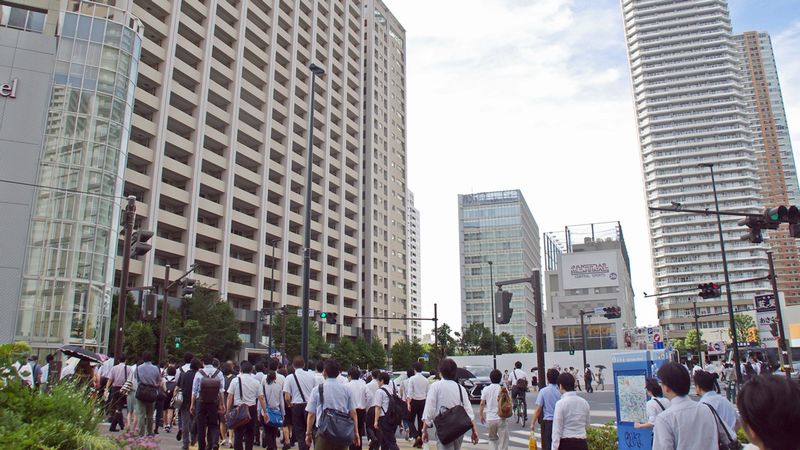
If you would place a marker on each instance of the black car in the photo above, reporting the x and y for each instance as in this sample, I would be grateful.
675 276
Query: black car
474 379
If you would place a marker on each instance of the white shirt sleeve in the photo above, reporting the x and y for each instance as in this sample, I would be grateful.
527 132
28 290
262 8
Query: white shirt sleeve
558 424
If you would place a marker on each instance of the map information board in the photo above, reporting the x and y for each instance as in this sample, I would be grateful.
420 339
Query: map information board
632 398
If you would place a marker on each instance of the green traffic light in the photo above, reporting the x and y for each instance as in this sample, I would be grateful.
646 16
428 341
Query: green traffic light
323 315
775 216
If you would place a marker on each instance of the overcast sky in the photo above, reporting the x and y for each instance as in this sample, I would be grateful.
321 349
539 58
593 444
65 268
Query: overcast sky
535 95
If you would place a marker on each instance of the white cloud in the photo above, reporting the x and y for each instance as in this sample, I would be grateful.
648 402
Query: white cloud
528 95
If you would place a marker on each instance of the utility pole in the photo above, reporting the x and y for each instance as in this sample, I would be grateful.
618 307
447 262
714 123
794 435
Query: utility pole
122 301
162 330
436 331
583 340
494 319
315 70
271 293
783 346
697 332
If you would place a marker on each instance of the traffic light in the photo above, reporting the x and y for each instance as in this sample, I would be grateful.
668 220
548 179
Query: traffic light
150 302
187 286
177 342
773 217
502 306
773 329
755 224
709 290
329 317
612 312
139 245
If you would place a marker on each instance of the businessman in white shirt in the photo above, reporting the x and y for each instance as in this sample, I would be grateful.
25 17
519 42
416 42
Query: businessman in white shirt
571 417
685 424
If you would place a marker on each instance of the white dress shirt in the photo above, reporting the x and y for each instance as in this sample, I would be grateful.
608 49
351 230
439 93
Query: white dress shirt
723 407
685 425
653 410
307 381
250 391
372 387
381 399
517 374
362 398
319 378
418 387
445 394
571 418
105 368
490 394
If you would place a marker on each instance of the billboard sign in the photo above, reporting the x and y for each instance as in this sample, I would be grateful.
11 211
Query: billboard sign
583 270
766 315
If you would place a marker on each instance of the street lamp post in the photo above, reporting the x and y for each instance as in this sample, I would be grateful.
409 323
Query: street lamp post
315 70
737 365
494 319
122 301
271 293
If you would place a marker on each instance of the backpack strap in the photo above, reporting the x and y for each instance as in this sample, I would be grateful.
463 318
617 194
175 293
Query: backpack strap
321 396
241 393
659 404
215 374
720 424
387 396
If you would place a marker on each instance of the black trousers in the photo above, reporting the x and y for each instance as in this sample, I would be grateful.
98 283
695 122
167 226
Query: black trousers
299 424
573 444
207 419
372 433
244 436
271 434
361 414
116 402
388 439
415 417
547 434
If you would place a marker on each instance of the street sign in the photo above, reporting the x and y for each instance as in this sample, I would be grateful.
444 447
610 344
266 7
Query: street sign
425 356
656 337
599 311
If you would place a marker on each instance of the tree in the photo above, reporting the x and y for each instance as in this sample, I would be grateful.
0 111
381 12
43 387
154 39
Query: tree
694 341
316 346
743 323
375 356
679 345
405 353
209 326
139 337
133 314
505 343
345 353
446 343
476 339
525 345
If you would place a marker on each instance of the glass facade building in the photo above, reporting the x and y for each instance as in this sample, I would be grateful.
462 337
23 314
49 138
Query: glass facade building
68 275
497 227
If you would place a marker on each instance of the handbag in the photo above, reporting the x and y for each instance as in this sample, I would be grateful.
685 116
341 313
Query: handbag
128 385
335 426
274 415
453 422
726 441
146 393
240 415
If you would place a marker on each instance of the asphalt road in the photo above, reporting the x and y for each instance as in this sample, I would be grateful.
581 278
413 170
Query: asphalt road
602 406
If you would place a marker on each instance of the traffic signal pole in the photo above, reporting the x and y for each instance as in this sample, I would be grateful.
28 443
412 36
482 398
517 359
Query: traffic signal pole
122 301
697 331
583 340
536 283
162 331
783 346
491 300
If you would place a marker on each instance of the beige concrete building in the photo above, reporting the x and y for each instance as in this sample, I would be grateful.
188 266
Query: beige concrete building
218 150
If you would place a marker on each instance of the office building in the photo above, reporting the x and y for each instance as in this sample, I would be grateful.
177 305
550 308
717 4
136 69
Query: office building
497 227
414 271
691 109
68 71
587 269
219 144
773 147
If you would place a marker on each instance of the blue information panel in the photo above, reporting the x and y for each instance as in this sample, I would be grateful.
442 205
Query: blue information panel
631 370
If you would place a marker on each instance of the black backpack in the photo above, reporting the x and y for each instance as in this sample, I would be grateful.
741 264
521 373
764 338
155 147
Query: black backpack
397 409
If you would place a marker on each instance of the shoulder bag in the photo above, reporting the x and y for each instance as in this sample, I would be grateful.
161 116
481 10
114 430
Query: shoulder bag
303 396
659 404
275 415
335 426
726 441
239 415
146 393
452 423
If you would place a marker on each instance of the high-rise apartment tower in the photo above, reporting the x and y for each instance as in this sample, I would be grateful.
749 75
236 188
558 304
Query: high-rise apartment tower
414 270
691 109
219 144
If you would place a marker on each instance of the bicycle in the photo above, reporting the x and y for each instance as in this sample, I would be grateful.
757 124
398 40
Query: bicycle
519 411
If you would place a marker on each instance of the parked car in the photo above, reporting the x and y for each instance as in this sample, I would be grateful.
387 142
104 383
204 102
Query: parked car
400 376
474 379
